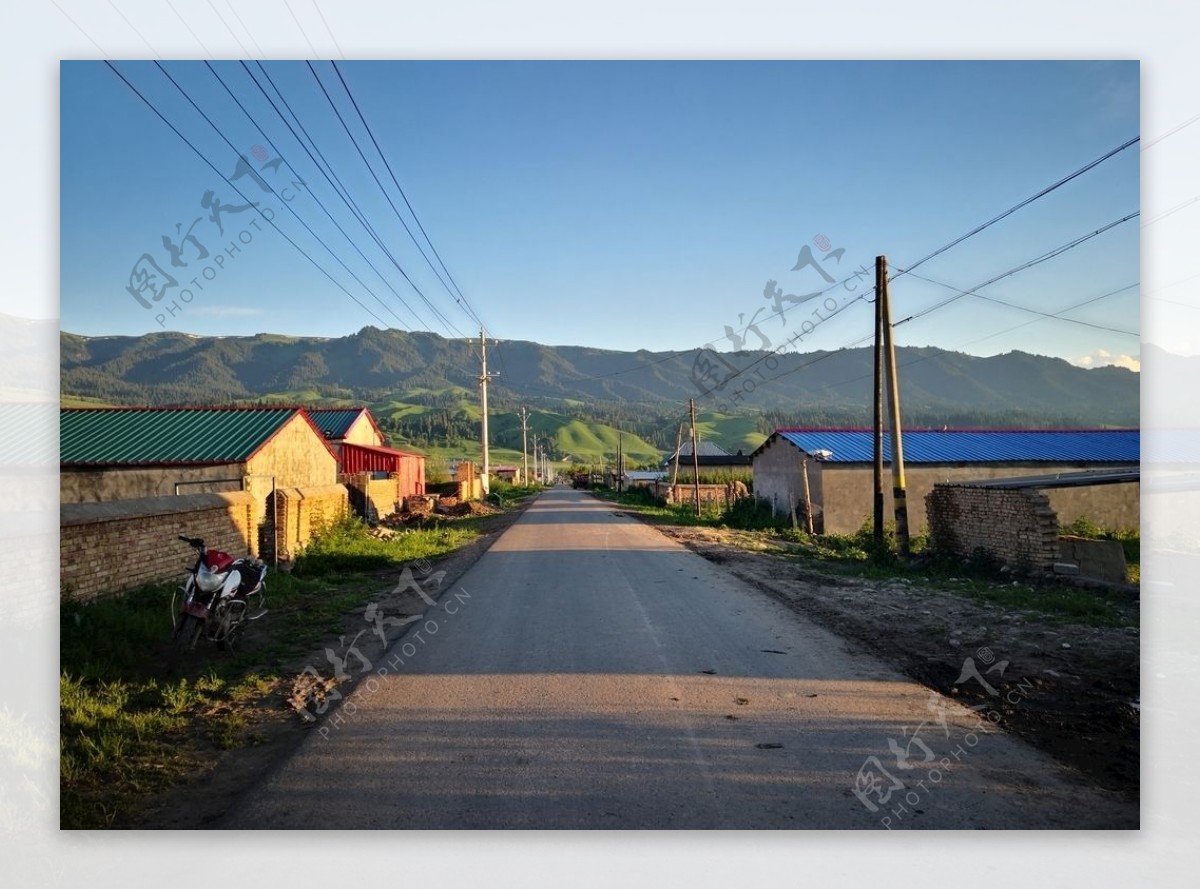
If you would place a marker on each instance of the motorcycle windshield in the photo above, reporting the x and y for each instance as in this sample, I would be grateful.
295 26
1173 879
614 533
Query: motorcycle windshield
209 581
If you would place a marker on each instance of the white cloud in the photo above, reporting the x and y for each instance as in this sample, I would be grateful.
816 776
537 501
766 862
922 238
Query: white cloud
1102 357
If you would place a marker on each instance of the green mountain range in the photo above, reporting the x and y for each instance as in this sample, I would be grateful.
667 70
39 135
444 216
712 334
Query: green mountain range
424 388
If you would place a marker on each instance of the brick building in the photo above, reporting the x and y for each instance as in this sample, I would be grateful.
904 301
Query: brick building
840 469
119 454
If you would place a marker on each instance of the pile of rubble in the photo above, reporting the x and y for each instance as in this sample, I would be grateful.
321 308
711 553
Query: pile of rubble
417 511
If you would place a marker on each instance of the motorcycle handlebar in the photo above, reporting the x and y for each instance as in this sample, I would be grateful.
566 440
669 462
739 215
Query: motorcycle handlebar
192 542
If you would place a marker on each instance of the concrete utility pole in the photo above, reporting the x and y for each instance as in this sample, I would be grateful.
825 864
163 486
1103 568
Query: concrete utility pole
620 458
525 442
899 495
484 377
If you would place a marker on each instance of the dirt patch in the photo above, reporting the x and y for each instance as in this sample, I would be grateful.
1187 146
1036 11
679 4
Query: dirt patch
268 729
1070 690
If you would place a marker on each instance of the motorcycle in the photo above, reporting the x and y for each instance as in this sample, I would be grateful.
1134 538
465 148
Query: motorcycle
217 597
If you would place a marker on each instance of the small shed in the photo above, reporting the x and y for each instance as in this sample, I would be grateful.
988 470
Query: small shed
407 468
840 468
506 472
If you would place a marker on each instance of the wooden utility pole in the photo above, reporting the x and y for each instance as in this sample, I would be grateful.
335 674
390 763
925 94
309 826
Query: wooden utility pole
484 377
524 415
880 285
675 467
808 517
899 498
695 454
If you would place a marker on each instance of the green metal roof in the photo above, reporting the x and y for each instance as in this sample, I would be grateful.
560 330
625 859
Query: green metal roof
150 436
335 423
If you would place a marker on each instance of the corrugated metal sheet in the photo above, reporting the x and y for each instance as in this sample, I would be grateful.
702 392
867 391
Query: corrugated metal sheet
140 436
409 467
706 449
335 423
974 446
365 459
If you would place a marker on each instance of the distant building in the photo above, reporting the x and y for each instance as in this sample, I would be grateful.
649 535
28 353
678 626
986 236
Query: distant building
840 469
714 461
506 472
643 478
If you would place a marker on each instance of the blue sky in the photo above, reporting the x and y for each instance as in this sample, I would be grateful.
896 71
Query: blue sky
620 205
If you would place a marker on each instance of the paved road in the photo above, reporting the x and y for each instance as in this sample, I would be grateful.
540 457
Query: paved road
588 672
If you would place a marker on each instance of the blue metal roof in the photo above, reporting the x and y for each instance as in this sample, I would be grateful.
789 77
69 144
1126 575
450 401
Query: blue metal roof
972 446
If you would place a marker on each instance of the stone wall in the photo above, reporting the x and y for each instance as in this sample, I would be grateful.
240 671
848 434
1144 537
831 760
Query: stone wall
119 545
1014 527
300 513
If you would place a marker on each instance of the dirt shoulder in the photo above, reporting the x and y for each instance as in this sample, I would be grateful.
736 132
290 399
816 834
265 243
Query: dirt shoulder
1070 690
269 728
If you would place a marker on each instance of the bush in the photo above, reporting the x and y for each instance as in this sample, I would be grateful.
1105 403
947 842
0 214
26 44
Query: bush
347 546
753 515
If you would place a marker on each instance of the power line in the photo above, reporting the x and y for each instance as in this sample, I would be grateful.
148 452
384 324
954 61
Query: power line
292 12
1013 271
212 166
320 203
207 51
286 204
1041 194
460 298
782 313
1171 132
1058 315
233 33
1180 206
329 30
463 303
1070 245
768 354
388 197
1023 324
133 27
339 187
249 33
997 300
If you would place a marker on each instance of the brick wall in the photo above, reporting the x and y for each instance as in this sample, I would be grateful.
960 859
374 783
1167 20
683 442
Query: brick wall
373 499
300 513
119 545
686 494
1015 527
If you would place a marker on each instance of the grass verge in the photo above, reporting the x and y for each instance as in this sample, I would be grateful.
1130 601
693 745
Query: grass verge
135 718
858 555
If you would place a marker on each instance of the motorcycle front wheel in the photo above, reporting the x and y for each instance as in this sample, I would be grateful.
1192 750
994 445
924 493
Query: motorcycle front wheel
187 632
